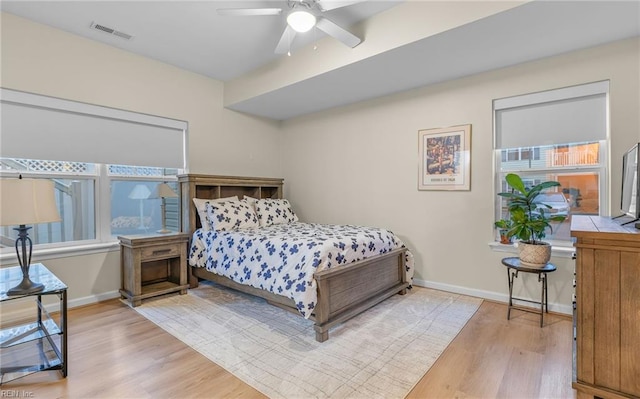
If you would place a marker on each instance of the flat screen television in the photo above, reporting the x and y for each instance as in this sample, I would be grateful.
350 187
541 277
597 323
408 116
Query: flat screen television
630 198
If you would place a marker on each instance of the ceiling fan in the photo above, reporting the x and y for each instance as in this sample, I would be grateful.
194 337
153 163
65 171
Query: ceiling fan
302 16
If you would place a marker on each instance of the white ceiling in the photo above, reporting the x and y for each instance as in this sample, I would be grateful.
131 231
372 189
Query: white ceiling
187 34
190 35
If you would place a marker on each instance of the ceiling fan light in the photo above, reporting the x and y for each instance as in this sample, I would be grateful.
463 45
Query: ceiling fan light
301 21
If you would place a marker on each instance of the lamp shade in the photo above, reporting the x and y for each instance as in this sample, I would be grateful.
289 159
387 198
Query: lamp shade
163 190
27 201
301 21
140 191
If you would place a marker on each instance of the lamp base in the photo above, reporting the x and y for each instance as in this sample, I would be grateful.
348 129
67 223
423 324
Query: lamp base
25 287
163 231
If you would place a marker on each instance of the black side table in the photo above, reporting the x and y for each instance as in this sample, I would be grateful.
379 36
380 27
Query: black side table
513 267
42 343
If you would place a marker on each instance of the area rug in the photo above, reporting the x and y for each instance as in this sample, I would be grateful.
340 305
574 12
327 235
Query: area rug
382 353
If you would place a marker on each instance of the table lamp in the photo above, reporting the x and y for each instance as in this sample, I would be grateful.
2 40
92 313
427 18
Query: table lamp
163 191
22 202
140 192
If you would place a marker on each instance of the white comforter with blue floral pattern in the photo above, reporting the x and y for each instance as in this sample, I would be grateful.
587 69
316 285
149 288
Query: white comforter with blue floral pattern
282 258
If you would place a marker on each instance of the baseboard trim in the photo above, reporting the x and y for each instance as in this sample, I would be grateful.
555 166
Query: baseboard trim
490 295
88 300
26 313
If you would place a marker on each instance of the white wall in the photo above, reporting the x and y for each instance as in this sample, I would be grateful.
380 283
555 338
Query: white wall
43 60
359 164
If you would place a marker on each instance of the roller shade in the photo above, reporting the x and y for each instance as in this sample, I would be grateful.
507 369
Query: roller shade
40 127
568 115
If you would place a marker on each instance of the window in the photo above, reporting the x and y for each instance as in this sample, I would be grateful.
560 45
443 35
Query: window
133 211
555 135
92 154
74 184
78 189
521 154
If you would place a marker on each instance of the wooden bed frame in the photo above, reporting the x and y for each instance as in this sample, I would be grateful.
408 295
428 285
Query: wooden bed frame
342 292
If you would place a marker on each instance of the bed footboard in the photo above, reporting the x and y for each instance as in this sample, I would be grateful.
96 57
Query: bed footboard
343 292
347 291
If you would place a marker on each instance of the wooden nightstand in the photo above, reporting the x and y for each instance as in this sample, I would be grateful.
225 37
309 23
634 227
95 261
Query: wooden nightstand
153 265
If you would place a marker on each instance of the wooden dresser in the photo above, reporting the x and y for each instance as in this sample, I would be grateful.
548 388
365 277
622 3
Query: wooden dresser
607 311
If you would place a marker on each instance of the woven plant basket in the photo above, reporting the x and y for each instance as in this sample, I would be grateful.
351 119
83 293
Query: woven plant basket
534 255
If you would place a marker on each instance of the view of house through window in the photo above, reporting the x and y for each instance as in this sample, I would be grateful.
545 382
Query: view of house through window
128 194
576 166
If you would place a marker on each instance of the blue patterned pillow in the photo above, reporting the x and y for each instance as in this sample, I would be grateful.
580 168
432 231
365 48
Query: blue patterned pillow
274 211
231 215
201 208
251 201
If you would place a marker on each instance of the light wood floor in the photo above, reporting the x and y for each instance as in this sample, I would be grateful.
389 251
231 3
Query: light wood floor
116 353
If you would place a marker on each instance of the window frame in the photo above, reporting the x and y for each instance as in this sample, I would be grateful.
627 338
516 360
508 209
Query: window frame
562 248
94 113
104 241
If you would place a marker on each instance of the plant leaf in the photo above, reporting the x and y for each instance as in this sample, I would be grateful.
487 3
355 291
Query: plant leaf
515 182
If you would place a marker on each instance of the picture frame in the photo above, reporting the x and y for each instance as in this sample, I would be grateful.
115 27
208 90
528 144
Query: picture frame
445 158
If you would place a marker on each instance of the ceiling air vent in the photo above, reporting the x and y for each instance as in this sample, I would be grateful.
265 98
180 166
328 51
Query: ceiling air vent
111 31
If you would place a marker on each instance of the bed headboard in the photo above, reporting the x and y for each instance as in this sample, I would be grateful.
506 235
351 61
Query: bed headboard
212 187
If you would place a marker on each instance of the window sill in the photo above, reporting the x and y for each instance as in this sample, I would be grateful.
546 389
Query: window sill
556 251
62 252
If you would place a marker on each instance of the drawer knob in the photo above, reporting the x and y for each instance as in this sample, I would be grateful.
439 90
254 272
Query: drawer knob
161 251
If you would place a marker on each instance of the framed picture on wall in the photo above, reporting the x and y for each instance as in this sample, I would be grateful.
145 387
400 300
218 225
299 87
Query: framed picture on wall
445 158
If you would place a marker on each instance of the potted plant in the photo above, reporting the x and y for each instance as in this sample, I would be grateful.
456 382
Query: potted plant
503 226
530 220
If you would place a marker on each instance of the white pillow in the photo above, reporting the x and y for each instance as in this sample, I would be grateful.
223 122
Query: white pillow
201 208
274 211
231 215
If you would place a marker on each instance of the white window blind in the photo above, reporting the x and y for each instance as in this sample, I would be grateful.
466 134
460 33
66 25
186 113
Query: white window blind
41 127
568 115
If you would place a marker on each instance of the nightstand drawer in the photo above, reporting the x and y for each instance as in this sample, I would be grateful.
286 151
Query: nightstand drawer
160 251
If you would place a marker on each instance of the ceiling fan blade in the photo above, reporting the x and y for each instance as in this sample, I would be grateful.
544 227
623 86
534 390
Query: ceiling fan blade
338 32
327 5
244 12
285 40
